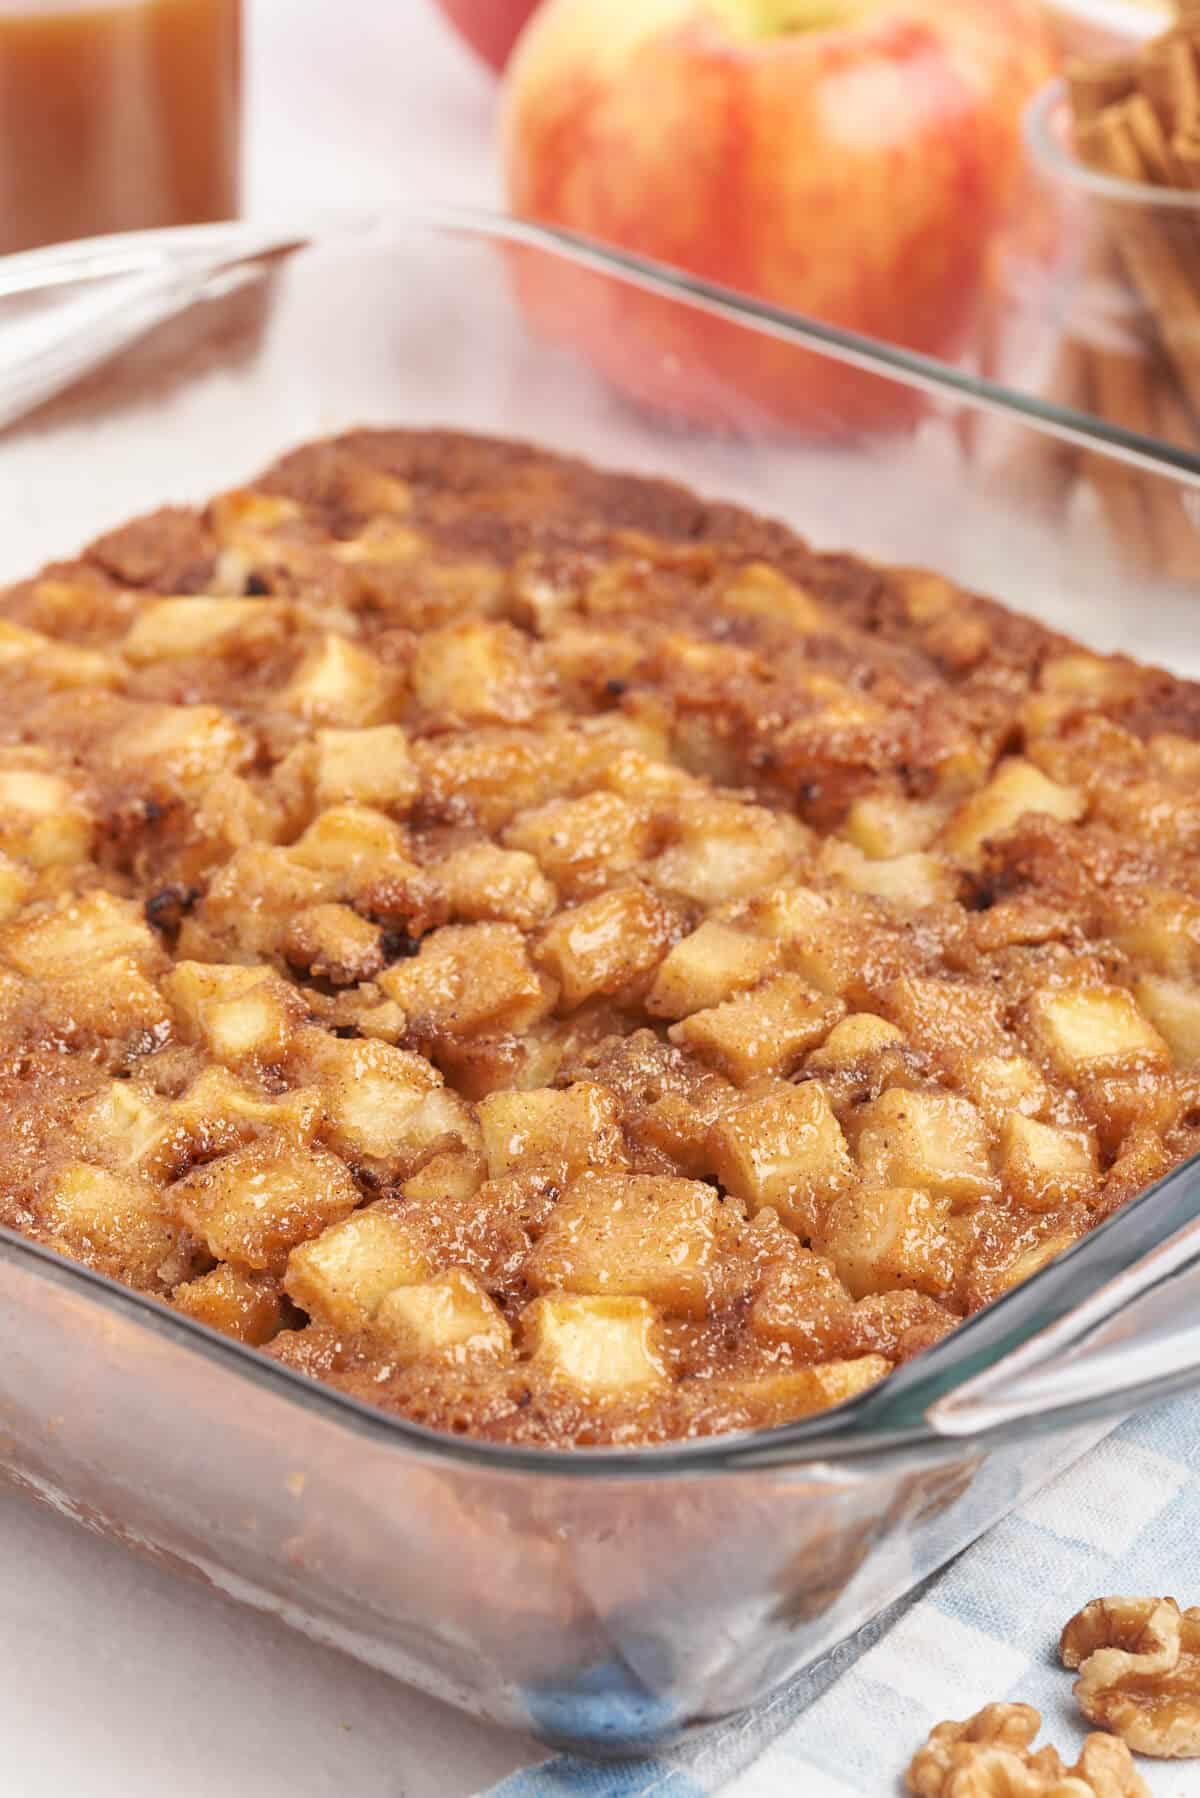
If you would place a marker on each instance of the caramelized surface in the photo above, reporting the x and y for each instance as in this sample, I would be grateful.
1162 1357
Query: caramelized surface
563 961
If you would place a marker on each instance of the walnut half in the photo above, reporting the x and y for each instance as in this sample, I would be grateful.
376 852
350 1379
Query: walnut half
991 1755
1139 1672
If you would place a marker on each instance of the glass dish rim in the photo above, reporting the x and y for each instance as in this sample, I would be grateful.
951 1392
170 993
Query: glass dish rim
247 241
1051 158
828 1438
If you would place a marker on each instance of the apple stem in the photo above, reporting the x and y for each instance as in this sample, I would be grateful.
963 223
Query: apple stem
775 18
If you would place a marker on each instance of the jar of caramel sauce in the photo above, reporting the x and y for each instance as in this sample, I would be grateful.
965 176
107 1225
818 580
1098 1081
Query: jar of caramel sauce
118 116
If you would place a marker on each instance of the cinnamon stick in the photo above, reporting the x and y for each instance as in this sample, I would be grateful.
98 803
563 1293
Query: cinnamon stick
1151 259
1185 148
1137 118
1092 86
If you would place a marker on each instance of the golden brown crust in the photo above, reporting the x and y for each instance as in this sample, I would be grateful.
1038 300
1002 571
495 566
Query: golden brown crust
565 960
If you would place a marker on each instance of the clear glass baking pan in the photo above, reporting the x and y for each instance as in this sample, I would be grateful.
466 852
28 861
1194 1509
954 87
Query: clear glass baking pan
606 1600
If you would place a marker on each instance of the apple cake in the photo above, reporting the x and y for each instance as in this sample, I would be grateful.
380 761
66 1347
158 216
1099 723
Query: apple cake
564 961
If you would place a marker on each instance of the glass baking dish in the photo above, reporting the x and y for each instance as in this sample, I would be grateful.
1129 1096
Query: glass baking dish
606 1600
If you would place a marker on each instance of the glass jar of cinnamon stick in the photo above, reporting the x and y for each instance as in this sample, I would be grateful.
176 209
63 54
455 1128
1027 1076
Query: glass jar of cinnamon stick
116 116
1119 144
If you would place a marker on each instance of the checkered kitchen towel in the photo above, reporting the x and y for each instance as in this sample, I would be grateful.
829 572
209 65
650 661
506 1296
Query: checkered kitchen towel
1124 1519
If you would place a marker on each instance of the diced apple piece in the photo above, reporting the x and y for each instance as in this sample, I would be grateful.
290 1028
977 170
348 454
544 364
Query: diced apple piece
1045 1166
714 962
245 509
122 1220
633 1235
354 840
16 885
128 1128
913 880
760 591
607 943
927 596
884 826
1159 927
90 931
443 1122
1173 1007
18 644
762 1032
254 1025
90 956
988 1279
881 1238
248 1307
647 780
252 900
1089 1029
1016 788
180 746
370 767
240 1013
42 820
836 703
59 665
583 844
384 1021
451 1175
949 1019
343 1275
450 1315
484 883
725 849
340 683
218 1112
798 1298
371 1090
853 1040
381 541
785 1149
1176 756
825 936
168 629
999 1083
1089 676
787 1393
605 1346
477 671
331 942
934 1141
253 1206
470 978
492 773
578 1127
112 999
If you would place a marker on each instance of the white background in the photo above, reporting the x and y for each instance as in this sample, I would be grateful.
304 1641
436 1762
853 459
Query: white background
116 1679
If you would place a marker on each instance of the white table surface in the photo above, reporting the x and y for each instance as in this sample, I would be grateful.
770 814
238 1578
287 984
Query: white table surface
116 1679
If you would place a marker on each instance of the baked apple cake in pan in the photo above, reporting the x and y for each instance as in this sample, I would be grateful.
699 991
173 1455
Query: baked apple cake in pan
566 962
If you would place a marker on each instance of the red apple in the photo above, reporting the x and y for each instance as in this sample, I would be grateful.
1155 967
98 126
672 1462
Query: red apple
491 27
848 159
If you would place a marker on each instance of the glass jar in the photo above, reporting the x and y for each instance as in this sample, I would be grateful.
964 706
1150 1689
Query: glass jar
115 117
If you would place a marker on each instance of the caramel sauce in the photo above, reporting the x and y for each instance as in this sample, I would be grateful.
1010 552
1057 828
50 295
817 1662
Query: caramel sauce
115 118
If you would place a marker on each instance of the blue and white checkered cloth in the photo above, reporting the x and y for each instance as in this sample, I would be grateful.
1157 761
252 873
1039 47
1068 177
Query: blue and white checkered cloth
1125 1519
